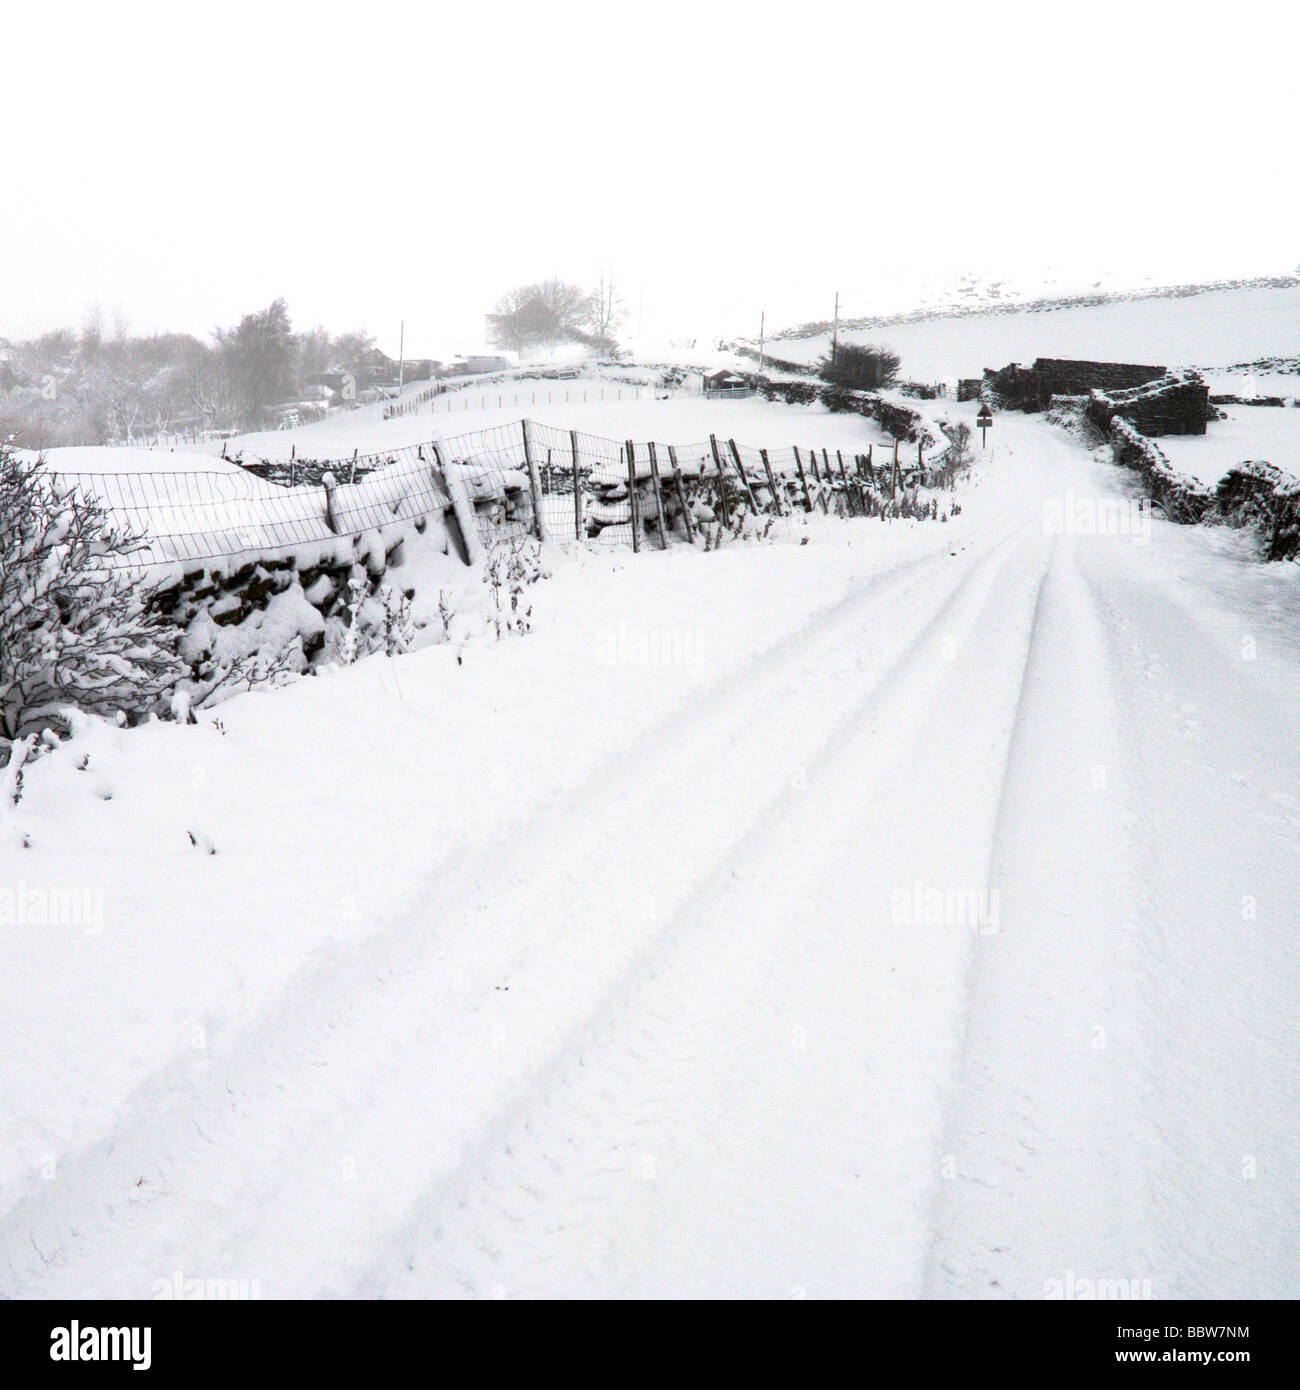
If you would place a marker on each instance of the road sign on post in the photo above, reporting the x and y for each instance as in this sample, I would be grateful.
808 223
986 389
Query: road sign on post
984 418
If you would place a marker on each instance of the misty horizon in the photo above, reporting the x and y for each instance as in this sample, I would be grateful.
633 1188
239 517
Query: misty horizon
472 156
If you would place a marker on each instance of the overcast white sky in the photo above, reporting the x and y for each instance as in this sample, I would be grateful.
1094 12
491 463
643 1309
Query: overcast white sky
183 164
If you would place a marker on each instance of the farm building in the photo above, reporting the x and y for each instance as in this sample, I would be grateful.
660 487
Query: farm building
486 362
724 381
1153 399
1032 388
1063 377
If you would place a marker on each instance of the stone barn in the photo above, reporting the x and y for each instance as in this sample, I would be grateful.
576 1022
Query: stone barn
1032 388
1060 376
1177 403
1153 399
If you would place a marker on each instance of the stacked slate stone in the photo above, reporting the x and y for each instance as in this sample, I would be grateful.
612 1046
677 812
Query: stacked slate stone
311 472
501 498
699 490
1015 388
1069 377
610 507
1177 403
609 512
1181 498
230 597
1263 496
1032 388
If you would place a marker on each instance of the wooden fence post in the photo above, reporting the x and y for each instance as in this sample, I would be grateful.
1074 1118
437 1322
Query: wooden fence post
681 493
841 505
803 478
817 475
659 500
329 483
722 481
539 523
740 468
633 510
577 487
771 482
462 509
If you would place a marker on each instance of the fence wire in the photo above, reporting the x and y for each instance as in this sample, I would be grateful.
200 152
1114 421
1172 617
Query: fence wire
519 478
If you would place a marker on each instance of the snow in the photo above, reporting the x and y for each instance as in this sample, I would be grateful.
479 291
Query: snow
1249 384
183 515
1267 434
589 963
681 419
91 458
1217 329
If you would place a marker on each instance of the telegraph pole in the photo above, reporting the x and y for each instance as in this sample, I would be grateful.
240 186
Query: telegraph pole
835 336
401 358
762 339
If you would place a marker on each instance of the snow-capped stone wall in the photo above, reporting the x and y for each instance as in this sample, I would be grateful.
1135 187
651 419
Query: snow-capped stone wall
1263 496
1181 498
1177 403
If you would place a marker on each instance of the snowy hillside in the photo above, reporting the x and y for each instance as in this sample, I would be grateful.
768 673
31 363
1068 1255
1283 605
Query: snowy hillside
1217 329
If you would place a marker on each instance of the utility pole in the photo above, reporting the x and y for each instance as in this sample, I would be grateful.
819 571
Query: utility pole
835 335
401 358
762 339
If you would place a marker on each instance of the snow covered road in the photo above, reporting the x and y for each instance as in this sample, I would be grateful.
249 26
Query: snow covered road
943 946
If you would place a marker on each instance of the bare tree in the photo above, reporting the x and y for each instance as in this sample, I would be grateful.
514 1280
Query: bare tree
116 383
212 393
566 303
258 354
606 311
539 315
355 353
315 353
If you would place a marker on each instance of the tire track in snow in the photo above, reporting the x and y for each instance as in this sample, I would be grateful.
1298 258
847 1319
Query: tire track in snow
720 1127
1216 996
196 1179
1045 1171
1123 1112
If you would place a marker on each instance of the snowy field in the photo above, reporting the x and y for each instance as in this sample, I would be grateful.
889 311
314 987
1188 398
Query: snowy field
908 912
1268 434
1216 329
683 419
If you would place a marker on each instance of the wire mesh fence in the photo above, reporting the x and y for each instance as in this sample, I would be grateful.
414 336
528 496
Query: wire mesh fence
565 485
520 478
202 518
